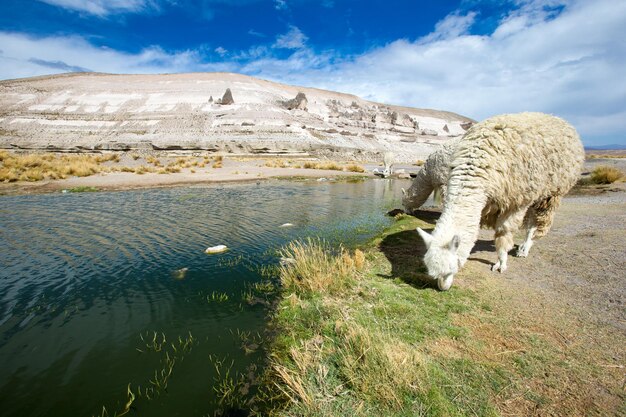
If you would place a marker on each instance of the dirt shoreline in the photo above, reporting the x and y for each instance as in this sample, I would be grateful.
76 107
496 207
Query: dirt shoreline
232 171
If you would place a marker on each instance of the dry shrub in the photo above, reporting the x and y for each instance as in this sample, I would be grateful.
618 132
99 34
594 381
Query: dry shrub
109 157
143 169
218 158
354 168
277 163
36 167
217 164
605 175
332 166
154 161
135 156
419 163
316 267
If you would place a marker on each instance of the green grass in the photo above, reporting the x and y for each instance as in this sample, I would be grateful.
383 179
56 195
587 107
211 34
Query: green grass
364 333
355 338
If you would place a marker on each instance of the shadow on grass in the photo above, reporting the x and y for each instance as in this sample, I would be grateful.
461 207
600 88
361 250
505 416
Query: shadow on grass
405 251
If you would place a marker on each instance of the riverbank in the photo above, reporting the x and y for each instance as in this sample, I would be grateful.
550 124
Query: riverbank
124 171
545 338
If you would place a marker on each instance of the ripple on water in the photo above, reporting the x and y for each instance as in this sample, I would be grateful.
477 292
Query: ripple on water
84 274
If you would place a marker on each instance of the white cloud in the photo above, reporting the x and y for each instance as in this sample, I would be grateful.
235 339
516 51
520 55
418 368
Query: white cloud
569 63
280 4
221 51
102 7
293 39
25 56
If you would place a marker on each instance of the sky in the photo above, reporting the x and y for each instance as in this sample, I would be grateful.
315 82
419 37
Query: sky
477 58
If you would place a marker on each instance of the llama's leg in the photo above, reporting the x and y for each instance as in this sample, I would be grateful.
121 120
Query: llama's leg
524 248
506 225
538 222
531 227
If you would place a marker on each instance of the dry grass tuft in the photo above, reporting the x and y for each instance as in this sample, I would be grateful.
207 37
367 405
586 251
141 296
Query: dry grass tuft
316 268
354 168
605 175
322 165
277 163
144 169
217 164
419 163
154 161
36 167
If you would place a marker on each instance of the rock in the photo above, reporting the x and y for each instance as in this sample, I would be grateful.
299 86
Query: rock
180 273
466 126
395 212
211 99
428 132
445 128
216 249
227 98
287 261
298 103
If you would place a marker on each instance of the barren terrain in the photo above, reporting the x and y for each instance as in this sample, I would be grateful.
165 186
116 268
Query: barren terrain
88 111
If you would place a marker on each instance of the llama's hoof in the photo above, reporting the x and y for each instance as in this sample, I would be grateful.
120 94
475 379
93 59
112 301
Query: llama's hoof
498 267
522 251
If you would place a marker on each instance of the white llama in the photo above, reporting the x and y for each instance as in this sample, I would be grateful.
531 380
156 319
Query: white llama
502 168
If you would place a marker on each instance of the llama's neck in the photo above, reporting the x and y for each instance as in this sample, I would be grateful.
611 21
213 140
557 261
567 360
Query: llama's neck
461 216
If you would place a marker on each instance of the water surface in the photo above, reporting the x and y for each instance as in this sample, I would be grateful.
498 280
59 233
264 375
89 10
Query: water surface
90 301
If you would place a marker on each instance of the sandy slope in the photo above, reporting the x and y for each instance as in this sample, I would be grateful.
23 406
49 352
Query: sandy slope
121 112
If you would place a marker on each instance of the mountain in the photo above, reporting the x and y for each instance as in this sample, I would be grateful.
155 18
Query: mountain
91 111
612 147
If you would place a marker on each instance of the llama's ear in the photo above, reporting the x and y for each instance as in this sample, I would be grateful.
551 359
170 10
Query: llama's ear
454 243
426 237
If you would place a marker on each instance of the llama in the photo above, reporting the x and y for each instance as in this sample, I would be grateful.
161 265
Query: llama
502 168
432 177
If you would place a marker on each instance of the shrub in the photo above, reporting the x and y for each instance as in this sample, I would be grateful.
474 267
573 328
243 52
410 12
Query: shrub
354 168
605 175
316 267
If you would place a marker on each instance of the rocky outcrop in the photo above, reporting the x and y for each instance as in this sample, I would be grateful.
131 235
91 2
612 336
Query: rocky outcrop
171 112
227 98
298 103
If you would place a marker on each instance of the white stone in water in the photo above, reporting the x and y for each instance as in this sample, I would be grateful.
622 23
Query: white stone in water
287 261
216 249
286 225
180 273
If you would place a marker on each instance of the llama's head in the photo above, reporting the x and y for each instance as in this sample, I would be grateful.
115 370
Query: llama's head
441 260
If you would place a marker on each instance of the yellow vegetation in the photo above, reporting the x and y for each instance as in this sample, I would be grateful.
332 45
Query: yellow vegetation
36 167
315 269
605 175
354 168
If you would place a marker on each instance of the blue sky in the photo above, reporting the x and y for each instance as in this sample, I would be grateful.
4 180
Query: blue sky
474 57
